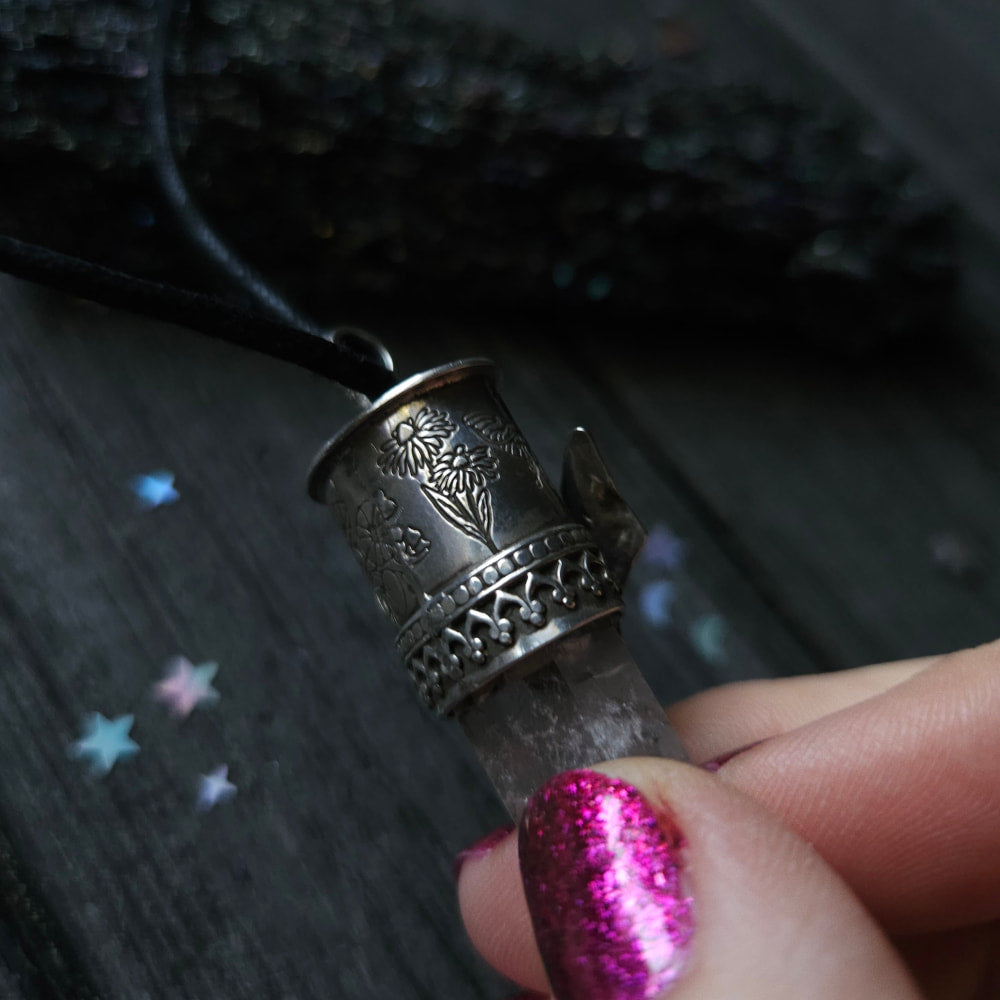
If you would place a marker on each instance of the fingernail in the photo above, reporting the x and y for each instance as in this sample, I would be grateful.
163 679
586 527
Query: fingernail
716 763
481 847
602 875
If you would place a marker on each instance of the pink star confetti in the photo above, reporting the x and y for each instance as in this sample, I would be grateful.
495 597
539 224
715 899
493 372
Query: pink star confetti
214 788
186 687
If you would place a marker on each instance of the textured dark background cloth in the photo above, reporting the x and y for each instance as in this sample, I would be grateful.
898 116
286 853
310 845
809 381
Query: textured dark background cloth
367 153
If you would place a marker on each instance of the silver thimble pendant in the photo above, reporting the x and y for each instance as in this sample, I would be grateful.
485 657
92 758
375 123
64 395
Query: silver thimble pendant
506 594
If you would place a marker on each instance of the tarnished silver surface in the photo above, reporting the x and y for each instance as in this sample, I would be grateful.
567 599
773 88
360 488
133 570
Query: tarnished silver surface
506 596
471 552
594 500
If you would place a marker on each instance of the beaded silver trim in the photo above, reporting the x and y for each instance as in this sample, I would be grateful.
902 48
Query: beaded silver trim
460 638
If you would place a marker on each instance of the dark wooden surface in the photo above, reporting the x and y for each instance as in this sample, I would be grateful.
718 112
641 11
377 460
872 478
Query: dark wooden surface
807 494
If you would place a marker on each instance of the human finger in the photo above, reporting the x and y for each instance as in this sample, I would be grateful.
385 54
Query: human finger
720 720
899 793
644 877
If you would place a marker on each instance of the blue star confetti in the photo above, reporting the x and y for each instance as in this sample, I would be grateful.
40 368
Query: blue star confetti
105 742
656 600
708 636
155 489
214 788
663 548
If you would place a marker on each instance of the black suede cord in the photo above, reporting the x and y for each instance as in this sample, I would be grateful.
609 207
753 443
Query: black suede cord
195 310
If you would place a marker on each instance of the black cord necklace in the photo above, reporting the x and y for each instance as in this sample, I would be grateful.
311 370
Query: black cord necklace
355 359
335 359
274 326
454 494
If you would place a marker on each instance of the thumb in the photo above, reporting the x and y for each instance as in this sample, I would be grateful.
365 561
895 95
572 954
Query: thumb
647 878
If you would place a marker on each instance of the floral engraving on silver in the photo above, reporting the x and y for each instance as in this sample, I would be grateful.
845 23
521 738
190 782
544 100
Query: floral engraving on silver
387 550
451 645
454 479
458 491
415 442
472 553
505 435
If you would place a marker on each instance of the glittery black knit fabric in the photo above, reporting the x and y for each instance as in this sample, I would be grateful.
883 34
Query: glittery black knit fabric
371 154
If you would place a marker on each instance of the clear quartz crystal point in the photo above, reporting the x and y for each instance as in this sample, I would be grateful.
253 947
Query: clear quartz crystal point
505 593
575 703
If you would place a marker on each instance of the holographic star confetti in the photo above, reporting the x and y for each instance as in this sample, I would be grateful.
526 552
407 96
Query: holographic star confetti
185 686
154 489
708 636
656 600
104 742
214 788
958 556
663 548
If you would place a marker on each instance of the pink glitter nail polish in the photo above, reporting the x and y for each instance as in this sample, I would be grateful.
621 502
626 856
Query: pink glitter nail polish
481 847
602 876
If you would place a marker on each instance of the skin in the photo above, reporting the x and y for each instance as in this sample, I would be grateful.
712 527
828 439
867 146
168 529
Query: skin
854 852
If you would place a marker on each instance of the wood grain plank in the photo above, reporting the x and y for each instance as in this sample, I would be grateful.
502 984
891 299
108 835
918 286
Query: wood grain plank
804 498
327 874
36 959
834 482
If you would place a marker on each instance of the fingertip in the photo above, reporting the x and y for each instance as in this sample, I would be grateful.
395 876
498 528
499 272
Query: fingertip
898 793
495 913
480 848
757 906
722 902
715 721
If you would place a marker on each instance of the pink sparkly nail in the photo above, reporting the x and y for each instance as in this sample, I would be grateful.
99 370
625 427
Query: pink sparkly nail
481 848
602 877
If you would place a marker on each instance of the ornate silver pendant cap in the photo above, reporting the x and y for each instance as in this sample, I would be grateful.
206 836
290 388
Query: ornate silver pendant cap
471 552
